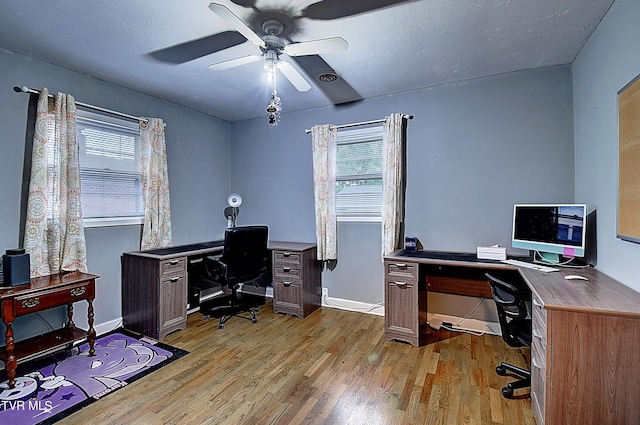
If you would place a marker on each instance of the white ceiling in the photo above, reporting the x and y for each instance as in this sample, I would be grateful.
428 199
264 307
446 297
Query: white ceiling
414 44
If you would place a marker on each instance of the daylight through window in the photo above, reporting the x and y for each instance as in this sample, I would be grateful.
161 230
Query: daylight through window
109 167
359 174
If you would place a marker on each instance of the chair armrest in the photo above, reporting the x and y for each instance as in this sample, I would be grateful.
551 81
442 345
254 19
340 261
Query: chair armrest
215 268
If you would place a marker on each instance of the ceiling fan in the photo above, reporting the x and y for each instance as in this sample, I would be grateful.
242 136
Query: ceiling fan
279 26
273 46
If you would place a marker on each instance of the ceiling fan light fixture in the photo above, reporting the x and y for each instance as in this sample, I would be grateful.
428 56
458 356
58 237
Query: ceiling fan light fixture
274 108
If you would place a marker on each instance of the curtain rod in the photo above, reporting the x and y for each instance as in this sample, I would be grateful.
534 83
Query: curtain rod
356 124
25 89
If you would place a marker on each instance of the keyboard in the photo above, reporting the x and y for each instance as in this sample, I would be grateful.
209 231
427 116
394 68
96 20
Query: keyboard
527 265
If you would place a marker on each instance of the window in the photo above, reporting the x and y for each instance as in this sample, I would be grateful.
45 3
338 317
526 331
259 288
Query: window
109 170
359 174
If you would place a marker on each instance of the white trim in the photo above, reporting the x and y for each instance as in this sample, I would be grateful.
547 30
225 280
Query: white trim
360 219
111 221
357 306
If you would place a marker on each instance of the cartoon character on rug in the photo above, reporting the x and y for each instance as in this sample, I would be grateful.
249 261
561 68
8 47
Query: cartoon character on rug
73 379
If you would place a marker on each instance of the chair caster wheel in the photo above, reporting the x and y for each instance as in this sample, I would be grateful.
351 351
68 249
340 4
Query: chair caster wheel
501 370
507 392
221 326
254 320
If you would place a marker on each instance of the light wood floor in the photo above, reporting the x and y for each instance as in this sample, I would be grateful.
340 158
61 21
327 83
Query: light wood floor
333 367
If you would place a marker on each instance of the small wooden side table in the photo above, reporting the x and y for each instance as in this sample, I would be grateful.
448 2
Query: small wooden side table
43 293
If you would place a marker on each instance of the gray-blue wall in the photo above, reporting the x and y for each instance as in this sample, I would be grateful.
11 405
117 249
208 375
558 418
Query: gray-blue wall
198 152
474 149
606 64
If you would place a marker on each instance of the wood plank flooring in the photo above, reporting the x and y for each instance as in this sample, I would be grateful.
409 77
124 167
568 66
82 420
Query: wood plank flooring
333 367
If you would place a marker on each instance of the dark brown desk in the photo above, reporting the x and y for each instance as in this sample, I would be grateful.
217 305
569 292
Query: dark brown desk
43 293
586 334
155 284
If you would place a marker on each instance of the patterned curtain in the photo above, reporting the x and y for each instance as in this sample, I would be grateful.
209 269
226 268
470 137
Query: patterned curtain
156 231
393 183
324 138
54 234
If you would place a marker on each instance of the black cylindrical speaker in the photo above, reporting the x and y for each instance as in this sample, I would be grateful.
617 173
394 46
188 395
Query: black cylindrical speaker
16 267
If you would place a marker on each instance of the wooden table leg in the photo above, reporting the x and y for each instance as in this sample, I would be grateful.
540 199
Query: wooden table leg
70 323
91 333
11 363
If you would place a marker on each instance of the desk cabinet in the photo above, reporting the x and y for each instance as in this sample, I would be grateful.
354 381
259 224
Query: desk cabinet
297 282
585 349
405 302
538 358
154 294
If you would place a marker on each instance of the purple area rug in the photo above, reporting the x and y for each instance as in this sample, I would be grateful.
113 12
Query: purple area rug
49 389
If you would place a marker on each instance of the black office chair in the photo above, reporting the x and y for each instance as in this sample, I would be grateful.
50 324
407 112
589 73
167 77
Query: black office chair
515 324
244 259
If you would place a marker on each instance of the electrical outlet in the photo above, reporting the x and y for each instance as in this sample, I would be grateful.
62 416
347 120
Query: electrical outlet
325 292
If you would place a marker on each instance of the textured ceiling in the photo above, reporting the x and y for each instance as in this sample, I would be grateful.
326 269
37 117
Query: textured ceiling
410 45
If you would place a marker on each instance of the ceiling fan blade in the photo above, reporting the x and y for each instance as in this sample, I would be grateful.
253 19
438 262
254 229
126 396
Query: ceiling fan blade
335 9
294 76
338 91
229 17
232 63
316 47
194 49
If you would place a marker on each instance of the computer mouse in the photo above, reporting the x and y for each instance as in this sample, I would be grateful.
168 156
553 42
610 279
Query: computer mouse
575 277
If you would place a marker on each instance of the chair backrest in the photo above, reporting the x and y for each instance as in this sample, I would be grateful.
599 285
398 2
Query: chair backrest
515 322
245 252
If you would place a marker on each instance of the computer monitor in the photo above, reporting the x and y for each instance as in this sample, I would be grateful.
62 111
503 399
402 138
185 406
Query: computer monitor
550 229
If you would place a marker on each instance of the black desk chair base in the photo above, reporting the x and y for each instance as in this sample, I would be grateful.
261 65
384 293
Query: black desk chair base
524 382
515 326
233 307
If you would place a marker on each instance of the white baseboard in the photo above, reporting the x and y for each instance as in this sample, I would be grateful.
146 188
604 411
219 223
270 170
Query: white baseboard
468 325
360 307
103 328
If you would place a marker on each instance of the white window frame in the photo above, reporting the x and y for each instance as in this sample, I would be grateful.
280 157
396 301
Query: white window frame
354 136
93 222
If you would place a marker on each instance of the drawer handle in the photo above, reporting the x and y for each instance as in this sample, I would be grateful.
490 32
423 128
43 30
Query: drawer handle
536 303
536 334
286 283
174 279
401 265
400 283
286 269
31 302
286 254
535 363
174 262
76 292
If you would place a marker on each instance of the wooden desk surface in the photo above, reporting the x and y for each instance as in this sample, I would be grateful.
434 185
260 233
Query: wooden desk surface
203 248
600 294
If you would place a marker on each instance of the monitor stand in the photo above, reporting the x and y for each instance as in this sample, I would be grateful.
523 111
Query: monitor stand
549 258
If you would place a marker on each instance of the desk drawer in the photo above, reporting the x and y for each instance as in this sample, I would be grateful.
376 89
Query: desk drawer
291 257
32 303
400 269
173 266
287 271
288 296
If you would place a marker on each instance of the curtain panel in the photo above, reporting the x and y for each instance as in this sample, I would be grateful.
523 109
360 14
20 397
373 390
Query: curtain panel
393 182
156 231
324 140
54 234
